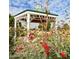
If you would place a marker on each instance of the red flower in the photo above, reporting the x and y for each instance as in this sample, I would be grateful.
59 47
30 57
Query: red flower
19 48
31 36
46 47
63 54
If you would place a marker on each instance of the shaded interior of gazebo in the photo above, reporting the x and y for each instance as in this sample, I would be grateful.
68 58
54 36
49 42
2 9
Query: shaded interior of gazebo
38 18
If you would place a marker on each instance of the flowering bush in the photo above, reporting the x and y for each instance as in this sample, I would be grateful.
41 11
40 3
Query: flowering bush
53 44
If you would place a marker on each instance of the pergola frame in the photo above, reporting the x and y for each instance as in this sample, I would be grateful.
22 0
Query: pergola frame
33 16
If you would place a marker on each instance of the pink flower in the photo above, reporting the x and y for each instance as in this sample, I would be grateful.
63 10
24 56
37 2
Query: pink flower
31 36
19 48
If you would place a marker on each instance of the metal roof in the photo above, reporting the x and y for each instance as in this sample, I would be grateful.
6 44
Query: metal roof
35 11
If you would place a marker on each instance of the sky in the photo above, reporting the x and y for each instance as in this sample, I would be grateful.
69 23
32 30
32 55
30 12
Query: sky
60 7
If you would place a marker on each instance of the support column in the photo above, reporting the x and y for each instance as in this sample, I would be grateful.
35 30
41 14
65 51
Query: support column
15 28
51 25
56 23
28 22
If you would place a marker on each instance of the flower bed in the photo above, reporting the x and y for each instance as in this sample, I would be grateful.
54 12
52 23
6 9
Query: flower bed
42 45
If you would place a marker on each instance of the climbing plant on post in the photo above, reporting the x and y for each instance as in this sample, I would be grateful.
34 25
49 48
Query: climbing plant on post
46 10
39 7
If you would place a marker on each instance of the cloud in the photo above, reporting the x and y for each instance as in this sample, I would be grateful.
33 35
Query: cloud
60 7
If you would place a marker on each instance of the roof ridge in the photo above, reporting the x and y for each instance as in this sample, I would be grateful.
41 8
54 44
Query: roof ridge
35 11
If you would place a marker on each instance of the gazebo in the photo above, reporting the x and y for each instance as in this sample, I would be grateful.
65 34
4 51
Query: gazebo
35 17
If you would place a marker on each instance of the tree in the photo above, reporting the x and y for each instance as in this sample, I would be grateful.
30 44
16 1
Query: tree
66 26
11 34
11 20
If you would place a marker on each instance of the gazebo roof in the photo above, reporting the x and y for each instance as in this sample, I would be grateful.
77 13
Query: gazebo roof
34 11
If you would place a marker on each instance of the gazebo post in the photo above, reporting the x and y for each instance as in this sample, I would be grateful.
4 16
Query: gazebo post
15 28
28 22
54 24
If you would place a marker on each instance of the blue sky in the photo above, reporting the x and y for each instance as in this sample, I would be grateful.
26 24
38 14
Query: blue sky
60 7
